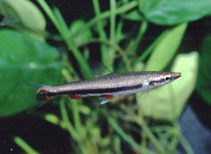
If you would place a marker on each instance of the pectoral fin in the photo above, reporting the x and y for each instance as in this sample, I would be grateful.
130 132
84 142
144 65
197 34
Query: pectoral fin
108 96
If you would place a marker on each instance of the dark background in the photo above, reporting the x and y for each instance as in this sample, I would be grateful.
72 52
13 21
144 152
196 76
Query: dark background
50 139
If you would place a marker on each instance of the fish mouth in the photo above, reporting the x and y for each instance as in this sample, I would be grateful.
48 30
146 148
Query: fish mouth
176 75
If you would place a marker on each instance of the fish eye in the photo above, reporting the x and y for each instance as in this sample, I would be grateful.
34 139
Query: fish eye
167 78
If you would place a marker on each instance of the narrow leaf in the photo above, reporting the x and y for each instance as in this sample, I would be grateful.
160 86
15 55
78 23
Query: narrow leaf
166 49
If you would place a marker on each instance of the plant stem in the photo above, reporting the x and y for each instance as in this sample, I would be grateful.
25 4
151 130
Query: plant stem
60 26
150 135
76 134
127 138
112 20
141 33
186 145
117 145
67 122
27 148
100 29
150 48
113 45
175 137
111 52
140 120
106 14
77 121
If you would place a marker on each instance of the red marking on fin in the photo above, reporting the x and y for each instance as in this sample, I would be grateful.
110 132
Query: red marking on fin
47 98
42 91
108 96
75 96
43 98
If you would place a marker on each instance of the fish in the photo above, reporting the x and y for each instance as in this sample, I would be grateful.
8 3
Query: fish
109 86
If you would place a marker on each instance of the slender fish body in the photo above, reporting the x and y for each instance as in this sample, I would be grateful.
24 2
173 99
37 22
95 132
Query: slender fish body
110 85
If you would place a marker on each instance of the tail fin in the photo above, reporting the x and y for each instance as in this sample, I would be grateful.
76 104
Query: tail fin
32 89
39 89
18 97
43 94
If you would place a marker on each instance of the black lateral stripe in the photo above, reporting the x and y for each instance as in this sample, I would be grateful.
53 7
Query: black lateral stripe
98 91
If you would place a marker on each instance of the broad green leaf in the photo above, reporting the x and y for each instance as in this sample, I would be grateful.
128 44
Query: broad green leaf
25 63
171 12
166 49
22 13
204 72
167 102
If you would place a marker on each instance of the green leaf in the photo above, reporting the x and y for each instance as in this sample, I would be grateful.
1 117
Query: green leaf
52 119
24 62
166 49
78 32
204 72
85 110
171 12
167 102
22 13
134 15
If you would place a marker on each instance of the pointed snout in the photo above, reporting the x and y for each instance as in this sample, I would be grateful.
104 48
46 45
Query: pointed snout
176 75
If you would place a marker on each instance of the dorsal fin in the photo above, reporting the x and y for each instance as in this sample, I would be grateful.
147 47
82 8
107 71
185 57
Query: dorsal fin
99 68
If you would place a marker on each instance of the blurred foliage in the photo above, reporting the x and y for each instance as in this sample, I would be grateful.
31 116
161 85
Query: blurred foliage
167 102
204 80
75 29
22 14
165 12
24 62
24 57
24 145
165 50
